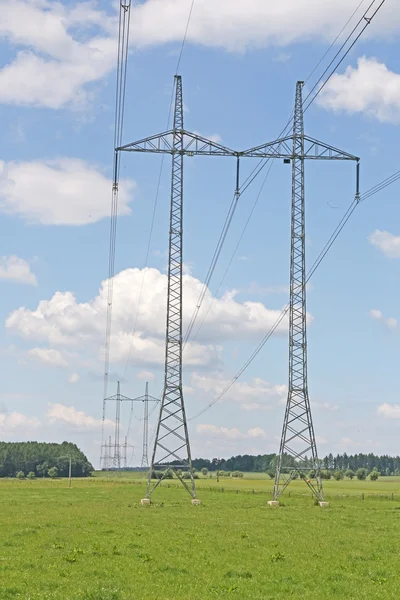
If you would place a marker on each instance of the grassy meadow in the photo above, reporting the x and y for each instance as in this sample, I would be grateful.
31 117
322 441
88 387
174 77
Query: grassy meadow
96 542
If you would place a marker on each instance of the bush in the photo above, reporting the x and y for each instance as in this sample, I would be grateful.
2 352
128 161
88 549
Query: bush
350 474
361 474
374 475
53 472
20 475
271 474
338 475
326 474
237 474
204 471
31 475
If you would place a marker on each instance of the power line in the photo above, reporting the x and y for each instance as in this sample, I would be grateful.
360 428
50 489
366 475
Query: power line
368 194
155 205
122 60
263 162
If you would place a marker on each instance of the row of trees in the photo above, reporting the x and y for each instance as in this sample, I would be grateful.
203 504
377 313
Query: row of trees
341 463
42 460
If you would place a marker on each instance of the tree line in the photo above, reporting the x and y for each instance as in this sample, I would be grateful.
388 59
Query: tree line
384 465
40 459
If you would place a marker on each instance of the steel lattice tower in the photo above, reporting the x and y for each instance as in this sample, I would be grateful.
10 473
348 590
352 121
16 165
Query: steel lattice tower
171 445
172 437
298 439
298 425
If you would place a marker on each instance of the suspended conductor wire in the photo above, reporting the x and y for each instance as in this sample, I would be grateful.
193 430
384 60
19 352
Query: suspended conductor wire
335 234
234 253
264 162
155 205
122 59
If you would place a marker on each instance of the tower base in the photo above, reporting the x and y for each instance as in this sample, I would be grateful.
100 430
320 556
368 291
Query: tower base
273 503
196 502
145 501
324 504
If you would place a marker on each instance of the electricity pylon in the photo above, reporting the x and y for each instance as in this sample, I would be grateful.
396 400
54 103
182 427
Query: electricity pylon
171 445
111 457
298 438
146 398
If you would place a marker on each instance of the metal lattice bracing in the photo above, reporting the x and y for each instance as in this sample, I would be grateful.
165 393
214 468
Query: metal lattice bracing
298 439
298 451
145 453
172 439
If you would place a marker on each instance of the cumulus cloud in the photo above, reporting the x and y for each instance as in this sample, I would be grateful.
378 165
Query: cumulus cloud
48 356
389 411
16 269
60 56
64 191
63 52
370 88
254 395
69 415
390 322
386 242
64 322
246 24
14 421
229 434
73 378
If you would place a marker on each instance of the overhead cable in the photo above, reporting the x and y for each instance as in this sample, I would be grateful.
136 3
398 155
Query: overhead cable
335 234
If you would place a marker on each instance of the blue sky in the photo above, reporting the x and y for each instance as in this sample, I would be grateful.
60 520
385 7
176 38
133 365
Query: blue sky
239 68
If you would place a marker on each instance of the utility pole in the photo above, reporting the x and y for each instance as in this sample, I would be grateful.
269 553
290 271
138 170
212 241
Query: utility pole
298 438
171 446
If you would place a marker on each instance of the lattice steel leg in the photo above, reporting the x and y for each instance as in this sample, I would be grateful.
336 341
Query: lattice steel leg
298 448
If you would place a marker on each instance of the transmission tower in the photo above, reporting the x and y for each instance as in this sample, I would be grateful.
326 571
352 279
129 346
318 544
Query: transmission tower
111 452
171 445
146 398
298 438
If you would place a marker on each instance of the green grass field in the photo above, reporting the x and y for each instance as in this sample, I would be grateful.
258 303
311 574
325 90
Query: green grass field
95 542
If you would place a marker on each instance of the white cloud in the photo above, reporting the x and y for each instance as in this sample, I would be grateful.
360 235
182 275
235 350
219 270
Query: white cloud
15 421
257 432
60 55
255 395
245 24
386 242
48 356
390 323
63 191
223 432
16 269
73 378
63 322
69 415
229 434
145 376
389 411
370 88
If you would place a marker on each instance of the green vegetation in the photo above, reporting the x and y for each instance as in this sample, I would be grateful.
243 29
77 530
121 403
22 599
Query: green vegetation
96 542
18 459
385 465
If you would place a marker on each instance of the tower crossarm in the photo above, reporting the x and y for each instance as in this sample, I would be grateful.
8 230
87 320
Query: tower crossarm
192 145
283 148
